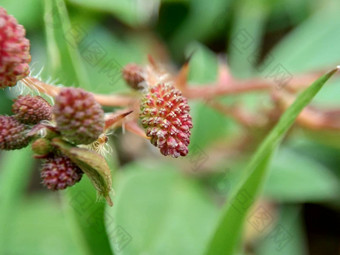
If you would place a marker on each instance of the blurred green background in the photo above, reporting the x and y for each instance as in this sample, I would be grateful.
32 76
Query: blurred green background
171 206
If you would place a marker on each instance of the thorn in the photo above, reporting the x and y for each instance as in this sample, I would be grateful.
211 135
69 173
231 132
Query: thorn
182 77
108 200
114 118
152 61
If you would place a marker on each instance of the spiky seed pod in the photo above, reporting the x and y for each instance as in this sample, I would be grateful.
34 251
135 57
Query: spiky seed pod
79 117
59 172
165 116
14 51
13 134
31 109
133 75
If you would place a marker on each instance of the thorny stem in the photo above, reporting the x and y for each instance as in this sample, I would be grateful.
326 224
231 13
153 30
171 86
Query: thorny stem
51 90
226 85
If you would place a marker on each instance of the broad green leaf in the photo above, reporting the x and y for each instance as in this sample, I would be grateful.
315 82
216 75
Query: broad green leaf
39 227
64 59
227 234
92 164
302 180
86 218
159 211
16 168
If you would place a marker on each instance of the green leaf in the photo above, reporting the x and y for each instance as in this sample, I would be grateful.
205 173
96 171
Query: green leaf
16 167
92 164
154 202
64 59
297 54
86 218
227 234
132 12
302 180
38 227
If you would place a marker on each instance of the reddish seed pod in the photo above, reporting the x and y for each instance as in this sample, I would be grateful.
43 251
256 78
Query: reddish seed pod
166 118
14 51
31 109
13 134
59 172
79 117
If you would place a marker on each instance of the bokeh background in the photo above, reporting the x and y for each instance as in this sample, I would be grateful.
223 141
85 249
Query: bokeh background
171 206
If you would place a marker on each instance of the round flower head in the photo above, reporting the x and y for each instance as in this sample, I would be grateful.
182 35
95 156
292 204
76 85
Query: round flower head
165 116
14 51
59 172
31 109
79 117
13 134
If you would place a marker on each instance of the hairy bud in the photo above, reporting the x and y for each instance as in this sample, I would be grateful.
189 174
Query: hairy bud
133 75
